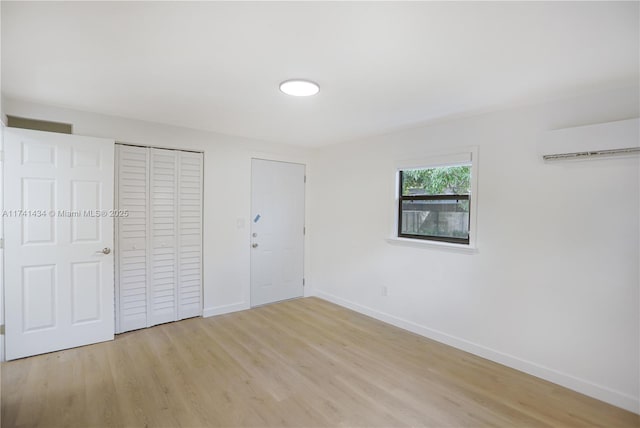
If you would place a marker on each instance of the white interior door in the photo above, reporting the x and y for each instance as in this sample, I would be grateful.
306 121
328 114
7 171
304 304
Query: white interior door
59 285
190 184
163 278
159 245
132 258
277 231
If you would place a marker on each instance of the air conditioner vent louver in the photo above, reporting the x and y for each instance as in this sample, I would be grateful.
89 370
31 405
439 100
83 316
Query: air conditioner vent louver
619 138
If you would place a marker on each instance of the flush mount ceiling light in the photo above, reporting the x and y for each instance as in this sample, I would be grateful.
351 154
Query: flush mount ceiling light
299 88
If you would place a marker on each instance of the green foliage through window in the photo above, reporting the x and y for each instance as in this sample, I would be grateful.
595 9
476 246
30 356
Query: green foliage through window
455 180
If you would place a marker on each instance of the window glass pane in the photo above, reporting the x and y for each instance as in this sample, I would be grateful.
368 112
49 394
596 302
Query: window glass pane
450 180
443 218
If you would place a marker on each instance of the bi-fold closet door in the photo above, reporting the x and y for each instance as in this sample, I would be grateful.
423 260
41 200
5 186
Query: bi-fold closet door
159 243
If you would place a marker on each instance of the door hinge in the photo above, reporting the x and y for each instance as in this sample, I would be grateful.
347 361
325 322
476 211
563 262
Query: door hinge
1 243
304 230
303 282
2 329
1 155
305 178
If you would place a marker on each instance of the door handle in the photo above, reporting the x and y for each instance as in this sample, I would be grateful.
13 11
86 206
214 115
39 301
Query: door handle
254 245
105 250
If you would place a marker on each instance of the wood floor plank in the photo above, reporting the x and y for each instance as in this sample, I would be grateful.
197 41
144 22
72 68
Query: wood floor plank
299 363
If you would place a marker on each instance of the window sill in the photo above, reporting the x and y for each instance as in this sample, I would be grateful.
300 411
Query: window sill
447 246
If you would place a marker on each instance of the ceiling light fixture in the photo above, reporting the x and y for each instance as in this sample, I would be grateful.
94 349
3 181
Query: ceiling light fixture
299 88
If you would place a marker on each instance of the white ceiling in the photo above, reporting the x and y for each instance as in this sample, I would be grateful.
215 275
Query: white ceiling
381 66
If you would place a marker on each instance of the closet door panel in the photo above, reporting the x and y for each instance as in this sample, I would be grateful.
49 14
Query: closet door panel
162 296
132 263
190 234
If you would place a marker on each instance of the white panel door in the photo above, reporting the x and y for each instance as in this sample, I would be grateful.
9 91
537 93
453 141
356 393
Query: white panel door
277 231
132 231
59 283
163 274
189 235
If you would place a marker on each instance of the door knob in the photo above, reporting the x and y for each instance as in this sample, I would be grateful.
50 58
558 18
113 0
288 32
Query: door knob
254 245
106 250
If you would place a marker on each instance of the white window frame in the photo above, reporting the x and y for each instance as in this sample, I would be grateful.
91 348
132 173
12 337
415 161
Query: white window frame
454 157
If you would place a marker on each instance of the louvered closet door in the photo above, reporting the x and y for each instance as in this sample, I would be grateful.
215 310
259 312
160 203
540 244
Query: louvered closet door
189 235
163 292
159 245
132 263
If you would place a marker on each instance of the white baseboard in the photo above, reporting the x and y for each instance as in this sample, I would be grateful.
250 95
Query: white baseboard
224 309
582 386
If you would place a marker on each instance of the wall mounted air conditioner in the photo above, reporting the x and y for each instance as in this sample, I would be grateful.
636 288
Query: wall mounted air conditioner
621 137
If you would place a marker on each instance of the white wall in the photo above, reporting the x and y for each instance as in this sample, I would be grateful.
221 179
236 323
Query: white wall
553 288
227 187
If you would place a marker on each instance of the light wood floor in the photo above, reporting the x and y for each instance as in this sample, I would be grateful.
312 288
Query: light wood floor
299 363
